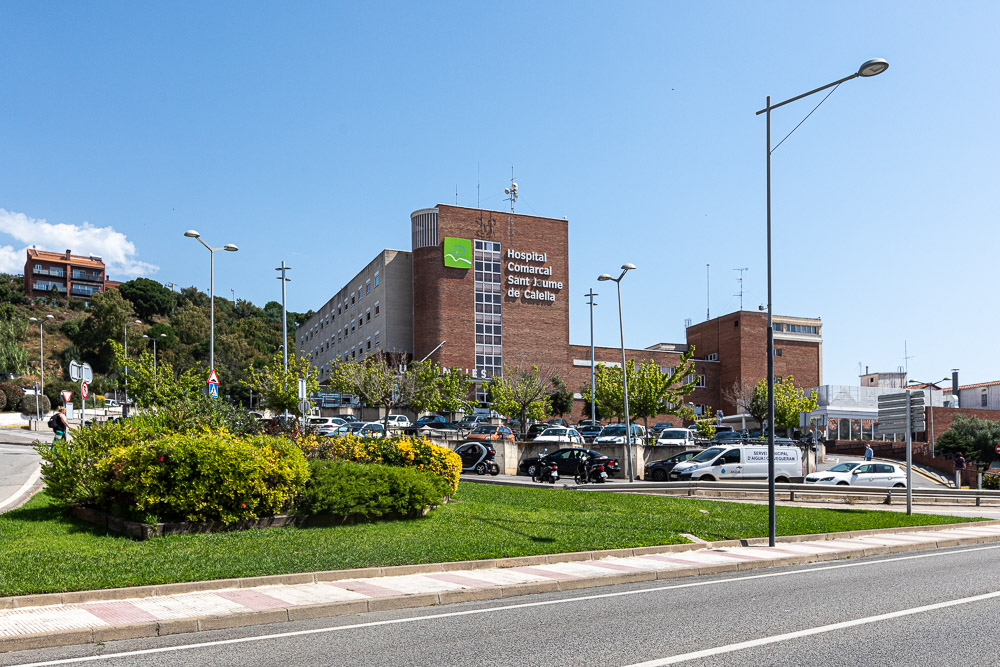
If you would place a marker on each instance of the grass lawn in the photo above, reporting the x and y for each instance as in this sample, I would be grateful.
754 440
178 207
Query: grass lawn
44 550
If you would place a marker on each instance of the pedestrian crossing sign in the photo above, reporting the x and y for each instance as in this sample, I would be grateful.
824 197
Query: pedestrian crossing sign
213 390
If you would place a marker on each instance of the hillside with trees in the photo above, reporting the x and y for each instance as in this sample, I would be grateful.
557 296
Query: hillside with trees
246 336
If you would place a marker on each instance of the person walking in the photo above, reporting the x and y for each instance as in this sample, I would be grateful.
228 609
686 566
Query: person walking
868 453
60 425
959 467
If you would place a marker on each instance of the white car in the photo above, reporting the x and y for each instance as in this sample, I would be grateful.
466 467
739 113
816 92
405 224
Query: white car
560 434
678 437
399 421
861 473
614 434
326 422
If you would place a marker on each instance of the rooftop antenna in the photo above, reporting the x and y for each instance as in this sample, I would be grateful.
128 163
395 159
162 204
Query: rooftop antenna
740 280
906 360
511 192
478 205
456 194
687 322
708 291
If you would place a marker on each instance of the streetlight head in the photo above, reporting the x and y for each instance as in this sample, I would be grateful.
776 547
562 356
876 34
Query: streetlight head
145 336
231 247
32 319
604 276
49 317
628 267
163 335
873 67
192 234
138 322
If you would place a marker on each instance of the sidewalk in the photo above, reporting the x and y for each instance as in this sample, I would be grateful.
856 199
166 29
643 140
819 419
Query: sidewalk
61 619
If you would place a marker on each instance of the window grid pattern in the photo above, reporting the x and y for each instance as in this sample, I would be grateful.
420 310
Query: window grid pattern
489 317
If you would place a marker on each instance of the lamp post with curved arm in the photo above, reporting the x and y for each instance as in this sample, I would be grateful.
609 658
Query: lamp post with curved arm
869 68
229 247
41 349
630 456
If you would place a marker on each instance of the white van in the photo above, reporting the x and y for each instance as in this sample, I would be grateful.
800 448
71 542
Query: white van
681 437
740 462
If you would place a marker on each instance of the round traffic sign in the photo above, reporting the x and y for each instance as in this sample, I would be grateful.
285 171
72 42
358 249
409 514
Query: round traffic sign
998 448
84 389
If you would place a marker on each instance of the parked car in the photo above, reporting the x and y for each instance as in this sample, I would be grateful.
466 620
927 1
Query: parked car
560 434
658 428
740 462
887 475
727 437
439 426
614 434
678 437
470 422
491 432
321 422
333 430
557 421
588 422
398 421
478 457
659 471
567 460
368 429
430 420
535 430
590 431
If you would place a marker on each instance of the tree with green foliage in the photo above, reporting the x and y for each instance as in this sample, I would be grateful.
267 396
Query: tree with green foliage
13 355
523 392
561 398
159 387
109 311
454 387
789 401
148 297
422 388
278 388
654 392
975 438
386 381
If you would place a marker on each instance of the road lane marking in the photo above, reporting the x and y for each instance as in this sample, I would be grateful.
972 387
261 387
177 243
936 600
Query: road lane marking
798 634
489 610
24 488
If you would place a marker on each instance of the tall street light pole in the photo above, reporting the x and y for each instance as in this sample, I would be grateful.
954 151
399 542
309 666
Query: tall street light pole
154 355
590 296
284 319
41 349
229 247
868 68
621 328
126 356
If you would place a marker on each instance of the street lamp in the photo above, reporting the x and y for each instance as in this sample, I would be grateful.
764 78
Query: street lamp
126 357
621 328
230 247
162 335
41 349
284 320
593 408
868 68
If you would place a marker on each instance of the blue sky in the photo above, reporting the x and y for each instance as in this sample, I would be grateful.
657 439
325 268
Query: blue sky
308 132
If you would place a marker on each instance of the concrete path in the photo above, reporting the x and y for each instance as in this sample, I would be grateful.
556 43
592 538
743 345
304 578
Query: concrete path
38 621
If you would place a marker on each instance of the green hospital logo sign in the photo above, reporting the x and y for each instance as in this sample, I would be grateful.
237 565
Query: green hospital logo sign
458 253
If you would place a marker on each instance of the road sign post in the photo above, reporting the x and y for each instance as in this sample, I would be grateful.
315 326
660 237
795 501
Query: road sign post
903 413
66 395
213 384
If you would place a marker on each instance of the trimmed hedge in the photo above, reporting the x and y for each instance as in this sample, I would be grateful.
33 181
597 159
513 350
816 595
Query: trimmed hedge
13 393
28 405
206 477
406 452
349 492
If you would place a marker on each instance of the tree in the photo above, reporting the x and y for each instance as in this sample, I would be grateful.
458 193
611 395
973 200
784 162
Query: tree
421 386
975 438
13 355
379 380
739 394
109 311
454 387
789 401
561 398
156 388
653 392
278 389
522 392
147 296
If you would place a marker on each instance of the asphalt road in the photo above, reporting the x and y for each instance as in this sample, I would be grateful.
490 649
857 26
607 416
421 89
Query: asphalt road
934 607
19 470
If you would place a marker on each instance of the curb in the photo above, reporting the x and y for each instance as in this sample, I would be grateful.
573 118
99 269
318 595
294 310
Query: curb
418 600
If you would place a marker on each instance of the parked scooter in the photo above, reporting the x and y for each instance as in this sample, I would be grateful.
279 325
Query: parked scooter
546 471
590 472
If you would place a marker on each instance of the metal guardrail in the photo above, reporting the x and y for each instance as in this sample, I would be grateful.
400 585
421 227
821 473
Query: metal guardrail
790 491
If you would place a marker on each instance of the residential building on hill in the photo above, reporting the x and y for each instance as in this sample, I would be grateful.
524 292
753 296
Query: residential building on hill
72 276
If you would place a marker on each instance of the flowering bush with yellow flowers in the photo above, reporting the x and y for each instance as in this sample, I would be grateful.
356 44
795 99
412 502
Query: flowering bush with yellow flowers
407 452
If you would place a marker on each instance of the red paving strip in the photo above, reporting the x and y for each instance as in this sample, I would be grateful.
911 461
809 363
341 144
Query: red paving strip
118 613
615 566
461 580
676 561
253 599
730 554
363 587
897 538
822 545
544 573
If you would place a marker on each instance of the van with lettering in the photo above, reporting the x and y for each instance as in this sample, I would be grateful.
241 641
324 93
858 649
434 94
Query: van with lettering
740 462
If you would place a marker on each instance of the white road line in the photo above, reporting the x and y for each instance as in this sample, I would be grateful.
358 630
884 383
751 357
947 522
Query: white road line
24 488
764 641
489 610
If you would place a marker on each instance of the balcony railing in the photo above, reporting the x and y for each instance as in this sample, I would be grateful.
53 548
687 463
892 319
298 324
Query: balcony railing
45 286
59 273
88 276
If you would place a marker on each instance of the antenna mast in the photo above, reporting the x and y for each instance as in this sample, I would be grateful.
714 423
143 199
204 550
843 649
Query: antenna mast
740 280
708 291
511 192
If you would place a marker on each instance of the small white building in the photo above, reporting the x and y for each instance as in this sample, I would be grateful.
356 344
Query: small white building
983 396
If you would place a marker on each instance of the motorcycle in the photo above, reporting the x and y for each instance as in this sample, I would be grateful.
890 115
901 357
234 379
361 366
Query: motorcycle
590 472
545 471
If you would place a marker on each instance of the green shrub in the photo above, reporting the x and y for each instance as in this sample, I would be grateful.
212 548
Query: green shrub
408 452
197 413
13 393
991 481
204 477
3 400
349 491
29 408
